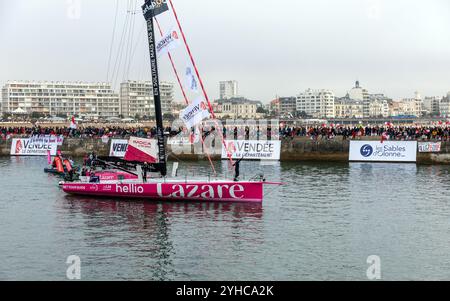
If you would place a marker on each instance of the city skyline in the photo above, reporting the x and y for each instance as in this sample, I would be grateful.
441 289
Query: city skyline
391 48
179 99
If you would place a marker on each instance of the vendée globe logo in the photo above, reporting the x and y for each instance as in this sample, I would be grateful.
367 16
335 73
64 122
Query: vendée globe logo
366 150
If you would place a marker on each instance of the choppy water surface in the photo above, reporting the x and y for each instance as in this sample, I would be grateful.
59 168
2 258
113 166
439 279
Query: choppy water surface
321 225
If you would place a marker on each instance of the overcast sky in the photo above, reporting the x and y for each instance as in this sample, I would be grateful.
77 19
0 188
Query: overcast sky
270 47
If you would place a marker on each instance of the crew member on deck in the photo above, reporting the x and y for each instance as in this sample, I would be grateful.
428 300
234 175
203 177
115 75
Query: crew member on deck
236 169
144 171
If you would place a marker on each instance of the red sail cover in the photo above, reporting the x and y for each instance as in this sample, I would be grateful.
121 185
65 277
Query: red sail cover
142 150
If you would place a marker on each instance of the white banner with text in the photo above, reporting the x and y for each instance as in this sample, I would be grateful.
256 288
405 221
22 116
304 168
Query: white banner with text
387 151
118 148
34 146
253 149
429 147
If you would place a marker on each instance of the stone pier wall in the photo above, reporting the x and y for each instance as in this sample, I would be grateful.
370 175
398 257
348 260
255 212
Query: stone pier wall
298 149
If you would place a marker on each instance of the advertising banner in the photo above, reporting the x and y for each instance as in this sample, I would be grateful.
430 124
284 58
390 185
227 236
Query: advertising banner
152 8
142 150
253 149
195 113
118 148
168 43
34 146
429 147
388 151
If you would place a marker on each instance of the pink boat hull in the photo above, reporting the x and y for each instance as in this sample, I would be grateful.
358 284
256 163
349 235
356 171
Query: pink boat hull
113 175
175 191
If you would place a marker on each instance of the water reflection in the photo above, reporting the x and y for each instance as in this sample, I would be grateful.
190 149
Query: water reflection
145 230
322 224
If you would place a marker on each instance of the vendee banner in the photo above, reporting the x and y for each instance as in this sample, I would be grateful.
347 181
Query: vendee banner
34 146
195 113
118 148
388 151
168 43
253 149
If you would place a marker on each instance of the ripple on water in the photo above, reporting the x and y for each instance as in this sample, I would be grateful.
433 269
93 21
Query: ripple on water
321 225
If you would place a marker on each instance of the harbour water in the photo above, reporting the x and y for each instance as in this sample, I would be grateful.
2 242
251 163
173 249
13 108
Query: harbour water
321 225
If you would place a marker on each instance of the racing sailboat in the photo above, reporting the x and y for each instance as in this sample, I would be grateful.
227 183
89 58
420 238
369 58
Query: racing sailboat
154 152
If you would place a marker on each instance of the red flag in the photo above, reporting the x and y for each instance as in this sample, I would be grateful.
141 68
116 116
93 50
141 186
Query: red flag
384 137
73 124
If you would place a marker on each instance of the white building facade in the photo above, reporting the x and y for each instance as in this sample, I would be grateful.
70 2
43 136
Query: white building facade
349 108
444 106
228 89
136 98
317 103
167 96
378 106
360 94
237 108
406 107
60 98
431 105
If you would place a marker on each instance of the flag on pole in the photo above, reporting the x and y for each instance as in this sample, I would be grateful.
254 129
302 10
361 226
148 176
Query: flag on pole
194 137
384 137
168 42
191 80
73 124
195 113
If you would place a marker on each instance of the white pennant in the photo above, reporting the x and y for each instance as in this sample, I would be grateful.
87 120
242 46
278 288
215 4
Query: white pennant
191 80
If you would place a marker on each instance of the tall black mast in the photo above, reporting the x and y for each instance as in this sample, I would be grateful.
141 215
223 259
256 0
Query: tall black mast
150 9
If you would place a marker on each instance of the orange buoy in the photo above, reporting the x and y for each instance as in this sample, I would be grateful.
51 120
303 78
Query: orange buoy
59 165
68 165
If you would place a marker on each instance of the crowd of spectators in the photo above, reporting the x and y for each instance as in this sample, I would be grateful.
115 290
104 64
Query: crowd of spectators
80 132
327 132
438 132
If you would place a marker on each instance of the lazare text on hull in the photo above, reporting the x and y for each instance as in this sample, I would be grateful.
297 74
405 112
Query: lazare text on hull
160 189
